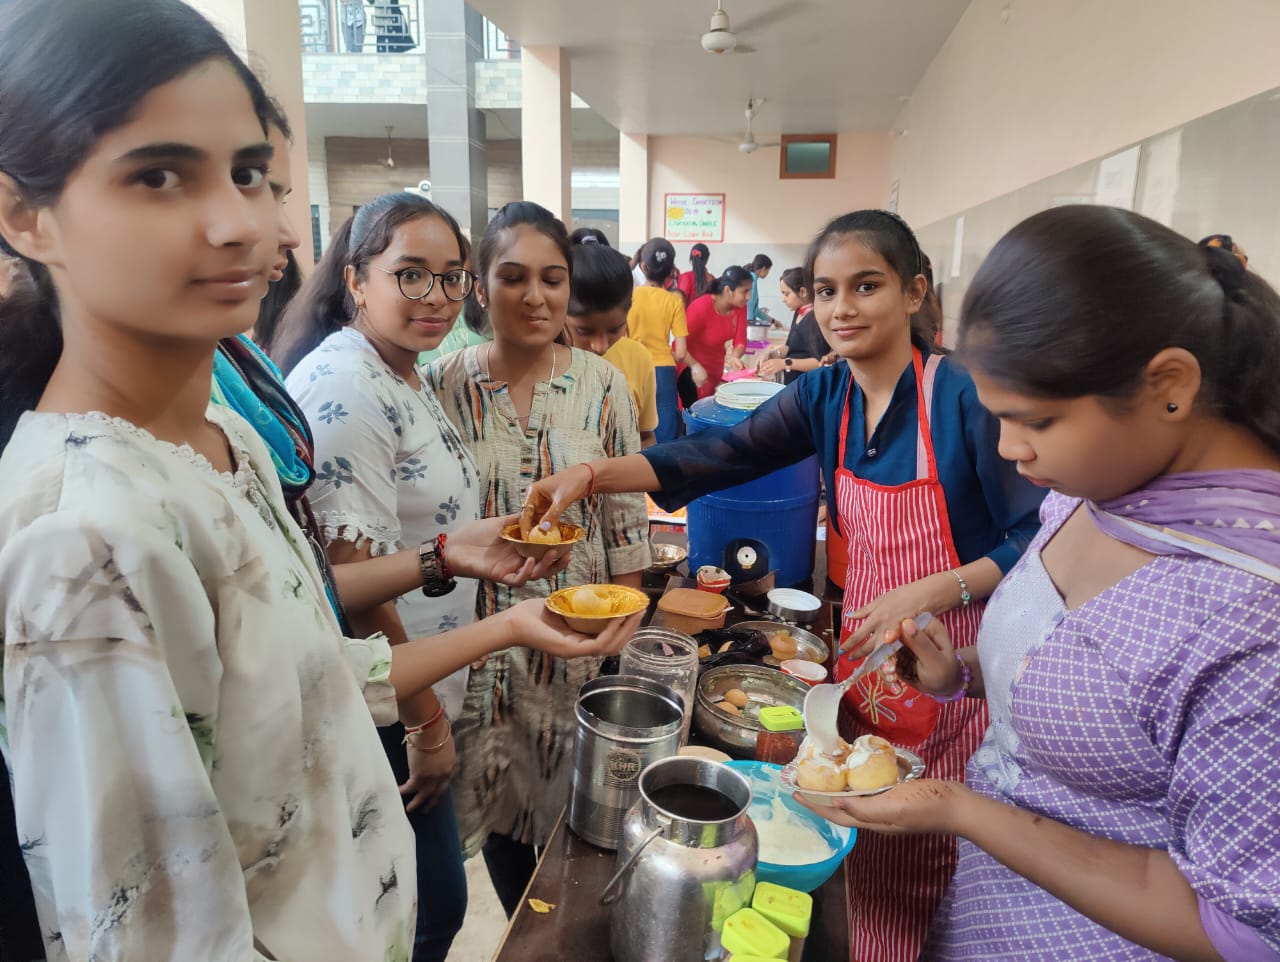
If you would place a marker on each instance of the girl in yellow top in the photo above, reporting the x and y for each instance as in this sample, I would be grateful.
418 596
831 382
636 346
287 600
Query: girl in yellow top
656 320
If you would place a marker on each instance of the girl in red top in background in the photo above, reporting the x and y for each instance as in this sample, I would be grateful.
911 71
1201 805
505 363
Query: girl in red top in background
694 283
715 319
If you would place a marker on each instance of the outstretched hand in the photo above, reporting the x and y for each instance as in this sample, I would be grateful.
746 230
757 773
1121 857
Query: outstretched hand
533 626
476 550
928 806
549 497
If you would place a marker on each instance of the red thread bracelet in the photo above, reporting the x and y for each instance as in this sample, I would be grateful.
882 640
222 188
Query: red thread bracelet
591 488
418 729
445 573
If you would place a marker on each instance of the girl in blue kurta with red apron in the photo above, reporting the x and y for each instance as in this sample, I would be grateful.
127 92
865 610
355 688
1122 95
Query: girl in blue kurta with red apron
932 515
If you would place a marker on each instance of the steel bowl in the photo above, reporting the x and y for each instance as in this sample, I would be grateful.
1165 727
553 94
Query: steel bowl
808 645
736 734
667 557
797 607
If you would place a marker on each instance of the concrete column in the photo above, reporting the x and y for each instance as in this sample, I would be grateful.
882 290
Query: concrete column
453 40
266 34
633 190
546 130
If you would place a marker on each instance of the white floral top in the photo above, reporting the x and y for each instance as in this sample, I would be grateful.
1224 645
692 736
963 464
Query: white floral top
391 472
194 770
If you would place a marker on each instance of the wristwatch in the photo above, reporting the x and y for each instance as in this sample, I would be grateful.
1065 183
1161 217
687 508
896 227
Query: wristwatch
436 578
787 362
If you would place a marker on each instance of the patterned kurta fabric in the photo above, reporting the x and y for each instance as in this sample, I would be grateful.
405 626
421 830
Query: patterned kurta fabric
515 737
391 472
1149 715
195 772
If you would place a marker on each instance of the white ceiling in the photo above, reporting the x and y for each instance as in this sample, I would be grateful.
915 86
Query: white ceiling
823 65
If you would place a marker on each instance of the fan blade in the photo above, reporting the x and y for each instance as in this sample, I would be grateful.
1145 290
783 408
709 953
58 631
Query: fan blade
770 18
743 48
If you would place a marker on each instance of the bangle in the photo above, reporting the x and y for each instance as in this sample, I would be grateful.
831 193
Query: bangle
419 729
448 733
445 572
966 676
965 597
591 486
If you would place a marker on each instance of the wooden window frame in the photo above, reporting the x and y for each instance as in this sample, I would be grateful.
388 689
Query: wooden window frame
828 139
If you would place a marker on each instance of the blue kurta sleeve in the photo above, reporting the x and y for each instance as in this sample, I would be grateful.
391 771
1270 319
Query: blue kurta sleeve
779 433
1012 501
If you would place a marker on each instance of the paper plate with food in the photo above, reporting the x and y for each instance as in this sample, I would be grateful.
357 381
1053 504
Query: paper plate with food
540 542
869 766
590 608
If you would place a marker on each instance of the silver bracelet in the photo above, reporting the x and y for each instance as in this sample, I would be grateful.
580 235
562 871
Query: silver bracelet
965 597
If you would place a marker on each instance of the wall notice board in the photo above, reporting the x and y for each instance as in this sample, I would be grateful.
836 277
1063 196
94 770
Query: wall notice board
694 217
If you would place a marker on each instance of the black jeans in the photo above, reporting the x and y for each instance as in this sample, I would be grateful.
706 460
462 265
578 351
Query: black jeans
511 865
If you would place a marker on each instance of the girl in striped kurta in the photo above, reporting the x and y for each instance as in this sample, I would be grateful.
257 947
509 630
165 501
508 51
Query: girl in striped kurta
528 406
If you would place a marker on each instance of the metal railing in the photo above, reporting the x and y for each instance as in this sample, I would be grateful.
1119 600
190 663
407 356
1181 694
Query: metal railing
384 26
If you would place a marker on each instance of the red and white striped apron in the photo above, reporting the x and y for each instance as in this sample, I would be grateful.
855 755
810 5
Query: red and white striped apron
897 535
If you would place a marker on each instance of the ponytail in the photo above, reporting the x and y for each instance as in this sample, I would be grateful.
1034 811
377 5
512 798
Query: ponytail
322 307
1077 300
30 343
698 258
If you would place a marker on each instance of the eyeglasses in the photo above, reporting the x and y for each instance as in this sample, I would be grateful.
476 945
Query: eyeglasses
416 282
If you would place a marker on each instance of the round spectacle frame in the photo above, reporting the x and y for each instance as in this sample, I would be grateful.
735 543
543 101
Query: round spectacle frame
415 283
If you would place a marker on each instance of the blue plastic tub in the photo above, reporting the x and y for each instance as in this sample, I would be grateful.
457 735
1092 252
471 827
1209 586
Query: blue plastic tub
763 778
779 510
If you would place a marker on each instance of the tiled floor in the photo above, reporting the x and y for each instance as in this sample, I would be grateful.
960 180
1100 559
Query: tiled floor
485 922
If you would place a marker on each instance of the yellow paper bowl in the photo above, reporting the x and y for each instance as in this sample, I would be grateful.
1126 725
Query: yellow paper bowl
621 602
569 534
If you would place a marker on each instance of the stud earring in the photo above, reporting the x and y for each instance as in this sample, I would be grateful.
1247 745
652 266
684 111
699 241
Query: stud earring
1171 408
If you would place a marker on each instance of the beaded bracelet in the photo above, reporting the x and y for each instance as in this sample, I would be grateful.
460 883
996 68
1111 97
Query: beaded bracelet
448 733
966 676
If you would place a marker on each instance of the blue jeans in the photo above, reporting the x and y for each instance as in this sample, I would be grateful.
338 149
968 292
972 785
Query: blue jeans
442 881
668 407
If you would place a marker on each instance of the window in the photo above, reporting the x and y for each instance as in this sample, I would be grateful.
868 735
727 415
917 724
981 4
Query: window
807 156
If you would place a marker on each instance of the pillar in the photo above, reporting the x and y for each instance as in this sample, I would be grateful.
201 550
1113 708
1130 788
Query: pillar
546 131
633 191
453 40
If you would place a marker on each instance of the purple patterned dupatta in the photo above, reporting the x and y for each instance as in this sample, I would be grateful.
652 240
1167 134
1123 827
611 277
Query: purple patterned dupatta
1228 516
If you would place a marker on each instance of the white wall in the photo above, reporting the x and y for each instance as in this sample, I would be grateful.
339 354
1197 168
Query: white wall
1008 102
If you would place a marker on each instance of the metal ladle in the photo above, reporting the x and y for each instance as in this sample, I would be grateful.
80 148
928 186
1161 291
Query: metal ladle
822 704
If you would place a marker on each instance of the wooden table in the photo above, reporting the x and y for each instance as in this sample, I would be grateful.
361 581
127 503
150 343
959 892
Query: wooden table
572 874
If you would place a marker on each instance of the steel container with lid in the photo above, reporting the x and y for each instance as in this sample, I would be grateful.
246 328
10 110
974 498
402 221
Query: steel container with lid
625 722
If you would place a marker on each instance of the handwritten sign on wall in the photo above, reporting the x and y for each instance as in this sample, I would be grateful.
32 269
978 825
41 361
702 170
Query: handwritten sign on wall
695 217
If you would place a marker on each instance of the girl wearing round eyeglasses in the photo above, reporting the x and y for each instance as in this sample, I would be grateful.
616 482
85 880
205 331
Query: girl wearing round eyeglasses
392 471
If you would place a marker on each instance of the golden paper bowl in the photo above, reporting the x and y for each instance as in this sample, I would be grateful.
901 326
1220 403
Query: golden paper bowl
622 601
569 534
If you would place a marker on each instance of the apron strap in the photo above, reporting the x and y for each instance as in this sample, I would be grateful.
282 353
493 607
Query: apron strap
925 377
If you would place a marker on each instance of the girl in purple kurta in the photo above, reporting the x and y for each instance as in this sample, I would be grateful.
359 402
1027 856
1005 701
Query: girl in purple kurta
1125 803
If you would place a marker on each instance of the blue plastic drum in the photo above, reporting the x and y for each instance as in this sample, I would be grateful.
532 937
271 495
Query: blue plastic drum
780 510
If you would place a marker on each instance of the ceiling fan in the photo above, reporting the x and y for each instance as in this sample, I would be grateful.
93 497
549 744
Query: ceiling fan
749 144
720 38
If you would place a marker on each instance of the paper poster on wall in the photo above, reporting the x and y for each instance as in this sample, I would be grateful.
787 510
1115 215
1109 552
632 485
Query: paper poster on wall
1160 169
957 247
1118 179
694 217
